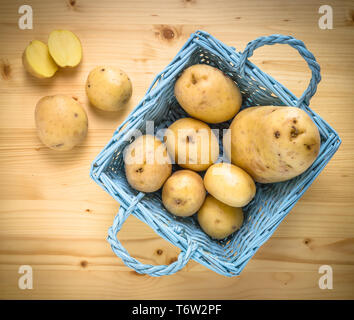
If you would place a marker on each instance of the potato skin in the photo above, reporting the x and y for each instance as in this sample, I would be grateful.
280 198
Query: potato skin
229 184
183 193
151 166
61 122
207 94
273 144
108 88
217 219
192 144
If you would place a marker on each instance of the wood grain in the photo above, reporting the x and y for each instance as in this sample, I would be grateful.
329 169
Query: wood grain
54 218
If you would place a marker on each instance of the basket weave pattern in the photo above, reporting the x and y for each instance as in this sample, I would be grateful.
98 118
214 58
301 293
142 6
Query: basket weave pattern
272 201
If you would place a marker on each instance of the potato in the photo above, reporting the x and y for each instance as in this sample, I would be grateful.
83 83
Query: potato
207 94
217 219
37 60
273 144
229 184
147 164
65 48
192 144
108 88
183 193
61 122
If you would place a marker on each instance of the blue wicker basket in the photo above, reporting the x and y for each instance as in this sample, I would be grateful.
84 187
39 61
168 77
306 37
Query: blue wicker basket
272 201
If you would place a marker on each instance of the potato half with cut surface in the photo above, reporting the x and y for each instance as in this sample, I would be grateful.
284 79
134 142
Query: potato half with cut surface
217 219
37 60
271 143
192 144
207 94
65 48
108 88
183 193
147 163
61 122
229 184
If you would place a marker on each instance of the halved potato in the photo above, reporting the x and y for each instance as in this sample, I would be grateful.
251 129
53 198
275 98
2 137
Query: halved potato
65 48
37 60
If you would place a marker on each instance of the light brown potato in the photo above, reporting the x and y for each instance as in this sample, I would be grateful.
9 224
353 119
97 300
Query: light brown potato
65 48
61 122
207 94
229 184
147 164
37 60
108 88
192 144
217 219
183 193
273 144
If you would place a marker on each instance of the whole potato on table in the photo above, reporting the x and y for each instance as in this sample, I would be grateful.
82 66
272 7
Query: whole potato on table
192 144
229 184
207 94
183 193
61 122
219 220
108 88
147 164
272 144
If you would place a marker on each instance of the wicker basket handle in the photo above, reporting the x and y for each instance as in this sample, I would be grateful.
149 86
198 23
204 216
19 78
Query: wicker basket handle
299 46
152 270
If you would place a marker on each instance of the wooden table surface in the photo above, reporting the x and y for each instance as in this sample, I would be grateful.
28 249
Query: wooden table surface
54 218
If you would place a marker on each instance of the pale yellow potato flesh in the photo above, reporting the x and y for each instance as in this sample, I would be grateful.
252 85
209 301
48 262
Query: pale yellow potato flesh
183 193
61 122
37 60
192 144
108 88
147 163
229 184
207 94
65 48
217 219
273 144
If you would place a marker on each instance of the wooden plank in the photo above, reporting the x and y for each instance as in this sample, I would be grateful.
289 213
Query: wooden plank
202 285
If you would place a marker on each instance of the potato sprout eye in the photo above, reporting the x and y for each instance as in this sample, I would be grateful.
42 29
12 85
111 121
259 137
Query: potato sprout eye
189 139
